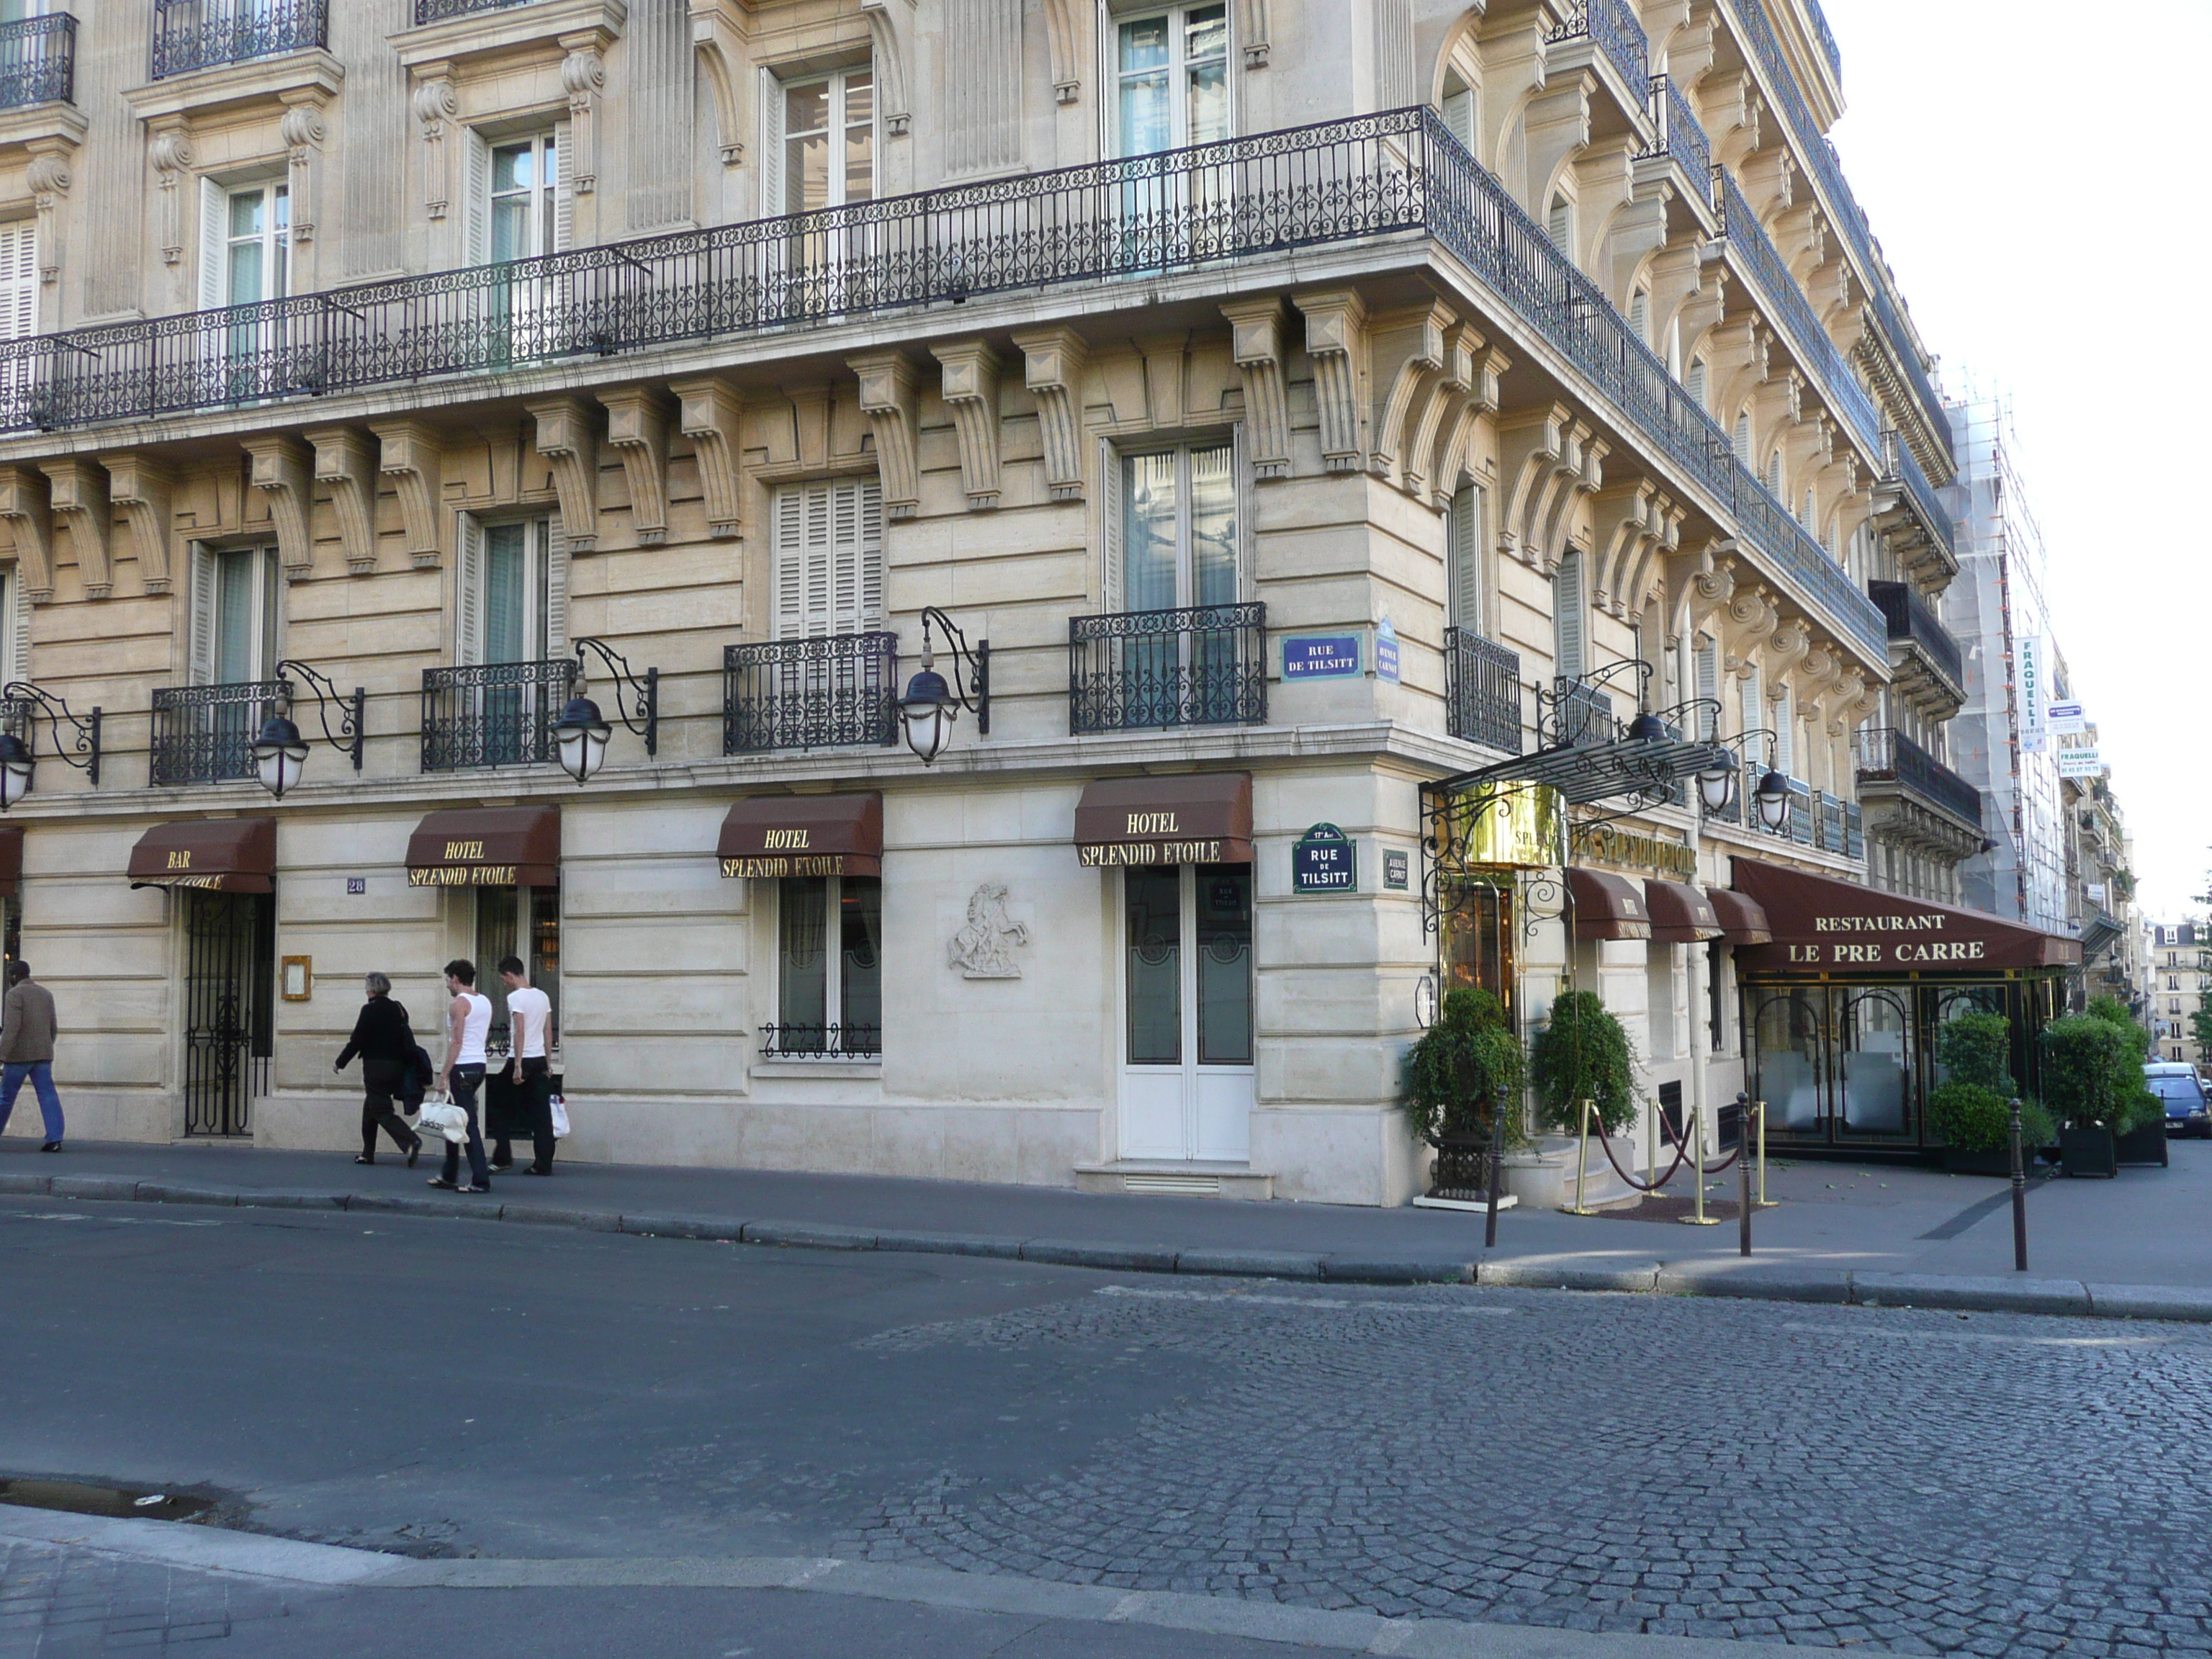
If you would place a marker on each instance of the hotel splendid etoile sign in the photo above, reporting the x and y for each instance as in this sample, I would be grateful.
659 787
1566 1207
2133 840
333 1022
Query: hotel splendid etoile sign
464 867
1151 838
784 852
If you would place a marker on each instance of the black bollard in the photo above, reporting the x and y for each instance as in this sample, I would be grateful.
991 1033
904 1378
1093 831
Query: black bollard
1743 1173
1497 1157
2018 1198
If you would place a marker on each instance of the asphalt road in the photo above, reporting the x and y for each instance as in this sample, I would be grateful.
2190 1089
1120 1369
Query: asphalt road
1907 1481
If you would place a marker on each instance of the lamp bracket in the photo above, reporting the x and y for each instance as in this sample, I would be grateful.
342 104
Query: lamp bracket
970 679
21 700
353 710
637 702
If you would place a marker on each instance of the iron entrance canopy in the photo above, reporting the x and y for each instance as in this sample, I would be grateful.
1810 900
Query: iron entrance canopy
1601 771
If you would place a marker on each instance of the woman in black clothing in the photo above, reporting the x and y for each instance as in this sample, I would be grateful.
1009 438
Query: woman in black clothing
384 1040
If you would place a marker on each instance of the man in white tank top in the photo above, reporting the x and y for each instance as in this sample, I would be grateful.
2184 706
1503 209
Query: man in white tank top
530 1021
468 1022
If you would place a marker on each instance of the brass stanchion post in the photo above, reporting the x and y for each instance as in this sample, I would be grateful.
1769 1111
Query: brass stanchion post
1696 1162
1764 1202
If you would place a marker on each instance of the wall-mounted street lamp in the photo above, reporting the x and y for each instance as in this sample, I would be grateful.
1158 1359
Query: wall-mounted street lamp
19 756
580 735
279 753
932 704
1772 795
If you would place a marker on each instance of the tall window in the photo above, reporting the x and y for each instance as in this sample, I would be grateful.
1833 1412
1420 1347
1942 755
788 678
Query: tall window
1708 654
1559 225
828 557
19 279
1743 437
245 243
510 605
235 616
830 985
1695 383
1464 551
522 201
1177 524
1172 79
1459 109
1569 622
821 141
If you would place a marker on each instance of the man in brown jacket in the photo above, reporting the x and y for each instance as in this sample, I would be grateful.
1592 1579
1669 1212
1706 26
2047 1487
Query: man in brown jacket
26 1050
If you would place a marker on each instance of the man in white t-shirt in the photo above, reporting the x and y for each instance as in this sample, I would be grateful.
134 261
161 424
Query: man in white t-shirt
530 1029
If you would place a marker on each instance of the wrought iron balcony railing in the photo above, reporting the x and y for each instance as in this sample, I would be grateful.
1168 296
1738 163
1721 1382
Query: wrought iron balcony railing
1899 463
1909 617
1618 36
1582 715
1149 670
1786 302
434 11
1482 691
204 733
1886 755
834 690
494 714
1678 132
821 1041
1396 171
1826 37
37 61
196 34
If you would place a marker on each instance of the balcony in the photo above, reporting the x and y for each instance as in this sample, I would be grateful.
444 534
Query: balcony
495 713
436 11
1482 691
37 61
1612 26
198 34
1912 516
1825 822
832 691
204 733
818 1042
1154 670
1887 756
1926 664
1678 134
1396 172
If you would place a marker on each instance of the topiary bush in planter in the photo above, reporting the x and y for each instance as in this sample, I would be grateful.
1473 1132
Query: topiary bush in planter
1976 1049
1466 1062
1970 1111
1583 1054
2093 1079
1971 1118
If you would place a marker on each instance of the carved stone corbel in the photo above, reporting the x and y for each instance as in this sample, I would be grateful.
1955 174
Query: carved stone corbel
282 469
1481 399
890 64
344 466
436 108
171 150
969 388
1069 39
302 132
568 438
1407 349
1622 520
637 427
28 510
410 455
48 176
583 77
710 413
1753 611
77 493
1704 582
1336 341
1053 360
889 397
1255 343
1253 14
144 488
1440 414
718 39
1532 444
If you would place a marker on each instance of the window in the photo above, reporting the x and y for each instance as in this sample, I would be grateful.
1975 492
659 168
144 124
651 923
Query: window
1640 315
1717 998
1463 543
820 147
234 617
1695 385
19 279
513 587
1569 622
523 922
245 243
1171 79
1708 657
522 204
1559 226
1774 474
1172 532
829 996
1743 437
828 558
1459 109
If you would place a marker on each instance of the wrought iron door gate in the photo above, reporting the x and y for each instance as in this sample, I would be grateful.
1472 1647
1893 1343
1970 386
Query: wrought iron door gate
230 986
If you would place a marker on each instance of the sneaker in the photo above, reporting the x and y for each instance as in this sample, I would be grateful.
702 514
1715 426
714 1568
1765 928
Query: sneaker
441 1182
534 1169
471 1189
500 1168
51 1147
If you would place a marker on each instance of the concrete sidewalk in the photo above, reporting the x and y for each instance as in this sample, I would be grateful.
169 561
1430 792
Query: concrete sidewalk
2141 1246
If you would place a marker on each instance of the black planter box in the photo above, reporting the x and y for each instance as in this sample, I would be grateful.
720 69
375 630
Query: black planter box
2143 1146
2087 1150
1959 1162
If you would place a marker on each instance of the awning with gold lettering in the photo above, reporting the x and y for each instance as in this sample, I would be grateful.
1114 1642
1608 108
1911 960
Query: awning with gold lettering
1822 925
772 836
486 847
11 859
1680 915
1607 906
219 855
1742 922
1190 817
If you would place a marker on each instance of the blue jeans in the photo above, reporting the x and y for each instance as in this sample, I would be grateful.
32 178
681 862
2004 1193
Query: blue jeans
467 1079
41 1074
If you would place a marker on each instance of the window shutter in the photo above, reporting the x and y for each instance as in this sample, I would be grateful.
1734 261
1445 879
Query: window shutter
11 657
1696 384
1785 725
468 592
555 554
1240 480
1639 316
771 167
1754 715
1709 689
1774 475
870 553
564 188
1560 227
1109 512
215 242
19 279
477 208
1567 596
1743 439
1463 532
199 644
1459 116
789 533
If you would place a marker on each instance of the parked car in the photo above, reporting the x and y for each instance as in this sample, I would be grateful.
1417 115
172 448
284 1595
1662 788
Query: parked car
2187 1110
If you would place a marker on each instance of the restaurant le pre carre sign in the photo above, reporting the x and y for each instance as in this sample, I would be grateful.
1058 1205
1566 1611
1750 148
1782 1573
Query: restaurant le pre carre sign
1886 942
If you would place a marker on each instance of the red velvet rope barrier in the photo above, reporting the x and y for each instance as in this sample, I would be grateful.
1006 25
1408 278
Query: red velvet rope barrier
1682 1156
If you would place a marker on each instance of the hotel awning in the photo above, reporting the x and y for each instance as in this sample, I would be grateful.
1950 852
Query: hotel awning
1680 915
1742 921
11 859
1191 817
771 836
217 855
1607 906
1822 925
486 847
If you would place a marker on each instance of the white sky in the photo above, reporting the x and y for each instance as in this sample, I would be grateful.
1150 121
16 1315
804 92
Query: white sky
2033 178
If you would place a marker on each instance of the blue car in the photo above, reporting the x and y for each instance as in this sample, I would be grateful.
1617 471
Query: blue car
2187 1111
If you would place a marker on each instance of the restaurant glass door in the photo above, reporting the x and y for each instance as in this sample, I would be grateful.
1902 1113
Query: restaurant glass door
1187 1082
1837 1064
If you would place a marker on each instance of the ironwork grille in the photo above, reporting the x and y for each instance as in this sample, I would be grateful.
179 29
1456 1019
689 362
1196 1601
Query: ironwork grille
192 34
1901 466
37 61
1584 716
1482 691
230 1008
1801 812
204 733
493 713
1681 134
1909 617
829 1041
1884 752
833 691
432 11
1618 34
1140 670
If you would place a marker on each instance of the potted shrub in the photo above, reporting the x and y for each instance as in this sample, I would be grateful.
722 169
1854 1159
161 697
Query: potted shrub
1583 1054
1464 1078
1969 1110
2143 1139
2093 1080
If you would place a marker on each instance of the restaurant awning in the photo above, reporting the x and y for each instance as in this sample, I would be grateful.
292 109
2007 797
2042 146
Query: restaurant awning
1742 921
1822 925
1190 817
11 859
775 836
1680 915
219 855
486 847
1607 906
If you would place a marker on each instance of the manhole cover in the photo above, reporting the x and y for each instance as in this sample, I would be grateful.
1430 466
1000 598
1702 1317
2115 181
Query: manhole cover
123 1503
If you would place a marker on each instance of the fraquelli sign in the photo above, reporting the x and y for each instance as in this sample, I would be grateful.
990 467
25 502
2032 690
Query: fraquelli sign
1324 861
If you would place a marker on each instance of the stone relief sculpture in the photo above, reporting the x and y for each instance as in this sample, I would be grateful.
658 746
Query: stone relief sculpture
979 950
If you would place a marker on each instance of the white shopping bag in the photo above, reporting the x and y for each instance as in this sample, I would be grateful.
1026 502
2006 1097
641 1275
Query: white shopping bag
560 1117
450 1122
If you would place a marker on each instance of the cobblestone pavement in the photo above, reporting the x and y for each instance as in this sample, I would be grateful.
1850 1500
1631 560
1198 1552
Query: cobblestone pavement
71 1604
1916 1482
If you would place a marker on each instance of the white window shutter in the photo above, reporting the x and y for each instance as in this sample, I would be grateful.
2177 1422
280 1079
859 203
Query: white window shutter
1109 511
199 640
1459 116
1709 689
214 245
1743 438
468 591
787 556
870 553
1754 713
1639 316
564 186
556 546
1560 227
1464 530
19 279
1695 385
771 149
1567 596
1241 532
476 224
11 657
1786 727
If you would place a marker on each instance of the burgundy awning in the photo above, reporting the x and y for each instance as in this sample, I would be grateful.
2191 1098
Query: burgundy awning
219 855
1822 925
776 835
1742 921
487 846
1189 818
1680 915
1607 906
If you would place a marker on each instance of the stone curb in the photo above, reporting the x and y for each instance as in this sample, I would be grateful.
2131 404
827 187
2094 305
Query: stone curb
1719 1278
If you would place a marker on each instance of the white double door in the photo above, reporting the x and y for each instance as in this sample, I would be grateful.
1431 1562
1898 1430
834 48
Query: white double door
1188 1013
